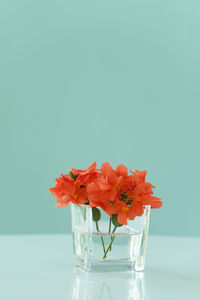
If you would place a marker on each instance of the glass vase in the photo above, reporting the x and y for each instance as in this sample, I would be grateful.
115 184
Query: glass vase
99 246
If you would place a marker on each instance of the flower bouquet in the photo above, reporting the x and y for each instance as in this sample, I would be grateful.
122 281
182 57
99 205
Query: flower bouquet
110 211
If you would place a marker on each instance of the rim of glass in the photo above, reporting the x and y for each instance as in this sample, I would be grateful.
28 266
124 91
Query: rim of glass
88 206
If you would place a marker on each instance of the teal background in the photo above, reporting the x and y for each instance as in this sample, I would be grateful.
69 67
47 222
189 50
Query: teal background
113 81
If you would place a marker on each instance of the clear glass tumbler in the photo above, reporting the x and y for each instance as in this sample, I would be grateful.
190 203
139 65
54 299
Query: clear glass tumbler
99 246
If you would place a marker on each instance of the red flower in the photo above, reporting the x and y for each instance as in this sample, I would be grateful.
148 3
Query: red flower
124 211
115 191
84 177
64 184
68 190
138 176
101 192
134 193
140 196
121 170
104 189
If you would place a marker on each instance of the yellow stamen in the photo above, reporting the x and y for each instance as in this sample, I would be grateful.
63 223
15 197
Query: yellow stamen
75 196
125 209
114 187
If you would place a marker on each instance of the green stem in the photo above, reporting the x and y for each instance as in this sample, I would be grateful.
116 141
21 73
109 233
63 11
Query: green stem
112 238
110 245
110 229
110 225
102 241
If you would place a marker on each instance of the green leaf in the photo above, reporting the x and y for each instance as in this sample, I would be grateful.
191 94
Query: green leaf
129 202
96 214
124 195
73 176
115 221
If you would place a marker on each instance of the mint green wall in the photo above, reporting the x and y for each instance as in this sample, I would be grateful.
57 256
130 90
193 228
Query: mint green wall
113 81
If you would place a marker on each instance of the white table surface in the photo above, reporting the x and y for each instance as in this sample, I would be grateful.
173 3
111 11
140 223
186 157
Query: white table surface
41 267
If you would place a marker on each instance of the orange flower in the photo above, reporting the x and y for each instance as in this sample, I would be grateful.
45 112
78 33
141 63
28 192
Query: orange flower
121 170
84 177
108 173
134 194
93 191
137 208
104 189
68 190
141 189
115 191
64 184
140 196
138 176
143 194
102 192
125 212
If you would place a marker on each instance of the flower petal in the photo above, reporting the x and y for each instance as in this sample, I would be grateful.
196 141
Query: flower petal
122 218
122 170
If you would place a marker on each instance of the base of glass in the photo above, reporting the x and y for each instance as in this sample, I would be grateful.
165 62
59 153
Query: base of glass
98 266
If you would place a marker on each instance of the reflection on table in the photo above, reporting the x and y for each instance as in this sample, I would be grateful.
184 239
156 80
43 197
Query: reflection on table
109 286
